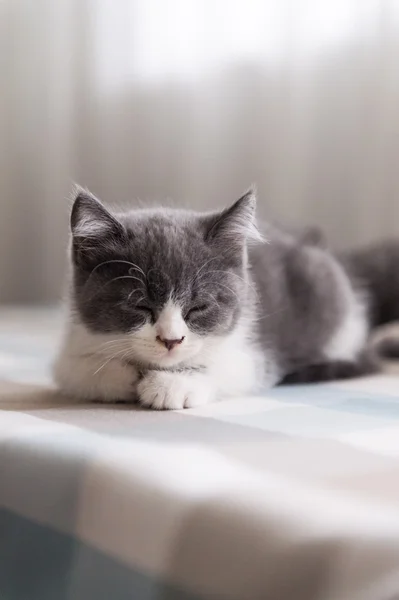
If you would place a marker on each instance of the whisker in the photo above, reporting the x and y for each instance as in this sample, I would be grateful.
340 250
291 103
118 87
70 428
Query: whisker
228 288
250 285
208 294
112 347
115 279
204 265
127 353
112 351
111 341
267 316
133 292
137 268
106 262
142 338
109 360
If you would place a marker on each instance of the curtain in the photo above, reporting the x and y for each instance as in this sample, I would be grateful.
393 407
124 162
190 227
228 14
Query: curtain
189 102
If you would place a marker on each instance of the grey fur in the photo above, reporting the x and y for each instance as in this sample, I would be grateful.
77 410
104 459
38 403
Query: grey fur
143 257
124 276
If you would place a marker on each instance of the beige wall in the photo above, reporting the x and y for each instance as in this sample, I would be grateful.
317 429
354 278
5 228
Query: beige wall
135 100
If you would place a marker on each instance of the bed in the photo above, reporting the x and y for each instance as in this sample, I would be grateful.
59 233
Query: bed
292 494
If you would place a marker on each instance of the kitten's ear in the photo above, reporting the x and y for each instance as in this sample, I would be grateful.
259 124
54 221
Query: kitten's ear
90 218
235 225
93 227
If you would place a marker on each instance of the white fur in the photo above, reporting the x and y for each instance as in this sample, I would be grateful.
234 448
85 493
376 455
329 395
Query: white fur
88 227
232 365
170 324
79 376
163 389
85 366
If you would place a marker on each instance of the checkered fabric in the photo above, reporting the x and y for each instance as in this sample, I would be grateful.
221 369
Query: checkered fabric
292 494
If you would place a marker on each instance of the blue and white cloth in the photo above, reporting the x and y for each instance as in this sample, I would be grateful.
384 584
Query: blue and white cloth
293 494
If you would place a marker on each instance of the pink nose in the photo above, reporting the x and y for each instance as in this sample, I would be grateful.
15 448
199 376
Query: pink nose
169 344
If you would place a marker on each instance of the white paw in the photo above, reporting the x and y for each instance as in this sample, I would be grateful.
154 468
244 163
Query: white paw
164 390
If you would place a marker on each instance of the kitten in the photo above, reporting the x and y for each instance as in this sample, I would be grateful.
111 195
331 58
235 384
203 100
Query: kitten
176 309
162 306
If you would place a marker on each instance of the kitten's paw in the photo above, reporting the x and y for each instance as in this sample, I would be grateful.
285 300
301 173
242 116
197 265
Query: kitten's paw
163 390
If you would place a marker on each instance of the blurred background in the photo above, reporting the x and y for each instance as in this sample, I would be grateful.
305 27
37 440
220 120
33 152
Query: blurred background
191 101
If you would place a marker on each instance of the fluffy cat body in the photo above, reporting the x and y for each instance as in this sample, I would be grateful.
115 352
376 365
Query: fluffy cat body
176 309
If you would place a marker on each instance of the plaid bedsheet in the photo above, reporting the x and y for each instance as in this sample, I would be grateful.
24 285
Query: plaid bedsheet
290 495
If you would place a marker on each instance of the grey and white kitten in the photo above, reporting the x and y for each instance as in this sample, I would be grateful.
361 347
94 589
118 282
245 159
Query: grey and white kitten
176 309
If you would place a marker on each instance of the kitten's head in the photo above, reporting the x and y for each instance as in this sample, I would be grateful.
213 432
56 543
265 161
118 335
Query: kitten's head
168 282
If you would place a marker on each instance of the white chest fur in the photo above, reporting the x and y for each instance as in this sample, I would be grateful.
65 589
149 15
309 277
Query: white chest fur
87 369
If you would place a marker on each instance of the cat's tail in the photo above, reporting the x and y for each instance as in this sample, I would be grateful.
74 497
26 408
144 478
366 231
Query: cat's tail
385 343
381 348
375 270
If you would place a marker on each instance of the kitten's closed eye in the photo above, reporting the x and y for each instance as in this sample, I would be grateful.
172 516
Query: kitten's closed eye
195 310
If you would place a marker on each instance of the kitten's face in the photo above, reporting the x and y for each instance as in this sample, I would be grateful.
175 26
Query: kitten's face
167 283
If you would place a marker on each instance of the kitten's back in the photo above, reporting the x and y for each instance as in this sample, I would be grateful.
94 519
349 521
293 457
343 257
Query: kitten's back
306 300
375 269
